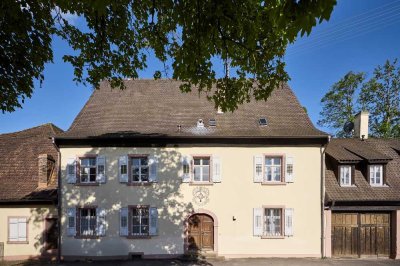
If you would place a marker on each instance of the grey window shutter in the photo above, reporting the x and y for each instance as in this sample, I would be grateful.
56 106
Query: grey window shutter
258 169
216 169
101 221
153 168
153 230
289 222
71 171
123 169
71 222
257 221
289 178
101 169
123 221
186 168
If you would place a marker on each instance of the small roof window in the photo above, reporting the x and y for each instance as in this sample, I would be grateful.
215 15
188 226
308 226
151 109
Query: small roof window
212 122
262 121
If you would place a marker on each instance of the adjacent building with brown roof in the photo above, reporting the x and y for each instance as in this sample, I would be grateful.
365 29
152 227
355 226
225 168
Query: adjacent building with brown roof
362 195
28 192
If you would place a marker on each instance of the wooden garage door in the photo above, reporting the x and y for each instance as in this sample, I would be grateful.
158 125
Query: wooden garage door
375 234
360 234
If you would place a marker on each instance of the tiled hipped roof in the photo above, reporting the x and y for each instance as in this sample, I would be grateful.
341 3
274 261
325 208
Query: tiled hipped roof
363 153
157 107
19 165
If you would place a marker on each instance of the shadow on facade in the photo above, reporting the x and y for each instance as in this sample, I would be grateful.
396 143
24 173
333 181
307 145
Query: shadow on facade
165 194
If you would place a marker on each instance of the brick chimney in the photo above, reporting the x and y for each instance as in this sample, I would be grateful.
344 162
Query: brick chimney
361 125
46 165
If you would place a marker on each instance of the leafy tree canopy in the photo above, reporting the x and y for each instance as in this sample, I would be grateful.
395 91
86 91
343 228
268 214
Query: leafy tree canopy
380 96
339 103
187 36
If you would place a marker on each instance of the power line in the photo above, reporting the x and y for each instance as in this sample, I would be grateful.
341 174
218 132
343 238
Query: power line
368 15
347 35
373 24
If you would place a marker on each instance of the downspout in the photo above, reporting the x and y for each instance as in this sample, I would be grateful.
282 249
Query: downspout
323 237
58 202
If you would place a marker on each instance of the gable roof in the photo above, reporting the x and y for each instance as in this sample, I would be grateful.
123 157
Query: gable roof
369 151
158 107
19 152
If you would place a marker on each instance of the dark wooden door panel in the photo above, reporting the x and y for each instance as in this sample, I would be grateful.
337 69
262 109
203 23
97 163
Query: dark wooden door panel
201 232
345 234
377 233
358 234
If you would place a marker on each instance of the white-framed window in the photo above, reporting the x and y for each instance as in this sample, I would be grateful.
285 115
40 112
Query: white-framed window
201 167
140 221
273 169
17 229
376 175
88 170
88 221
345 175
140 169
273 222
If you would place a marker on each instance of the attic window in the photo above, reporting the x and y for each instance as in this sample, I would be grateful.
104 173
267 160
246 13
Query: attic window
262 121
212 122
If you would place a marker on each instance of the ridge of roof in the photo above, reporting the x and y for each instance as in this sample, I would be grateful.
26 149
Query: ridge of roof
156 107
36 130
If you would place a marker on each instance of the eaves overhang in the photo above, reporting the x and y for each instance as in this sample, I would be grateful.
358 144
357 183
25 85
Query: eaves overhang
164 140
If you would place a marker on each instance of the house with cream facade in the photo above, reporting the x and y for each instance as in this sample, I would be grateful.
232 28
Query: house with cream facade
28 194
149 171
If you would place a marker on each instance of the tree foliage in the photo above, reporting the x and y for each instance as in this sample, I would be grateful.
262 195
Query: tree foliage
185 35
380 96
339 103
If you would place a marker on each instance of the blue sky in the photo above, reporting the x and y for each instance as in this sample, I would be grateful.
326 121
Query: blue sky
360 35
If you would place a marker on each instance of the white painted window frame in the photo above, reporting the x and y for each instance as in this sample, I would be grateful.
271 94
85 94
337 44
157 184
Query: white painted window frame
140 217
201 166
87 166
141 167
372 175
90 218
271 219
342 178
272 167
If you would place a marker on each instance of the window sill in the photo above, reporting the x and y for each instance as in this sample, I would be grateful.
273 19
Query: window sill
352 186
272 237
201 183
273 183
87 237
140 184
88 184
17 242
379 186
138 237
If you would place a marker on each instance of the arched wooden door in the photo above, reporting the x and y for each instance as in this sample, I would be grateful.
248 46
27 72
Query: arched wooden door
201 232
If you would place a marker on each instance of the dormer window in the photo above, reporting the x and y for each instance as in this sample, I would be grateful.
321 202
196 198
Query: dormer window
376 175
345 175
